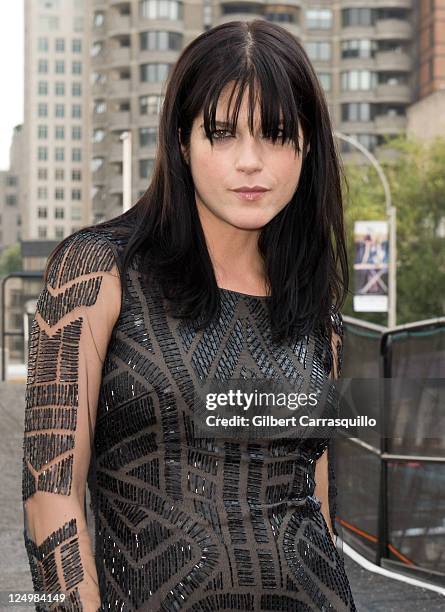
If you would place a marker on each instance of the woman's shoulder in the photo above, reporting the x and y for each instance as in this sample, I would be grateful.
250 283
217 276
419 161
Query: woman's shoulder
106 241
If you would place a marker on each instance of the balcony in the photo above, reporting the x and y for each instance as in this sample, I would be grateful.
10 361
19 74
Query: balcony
115 152
118 87
393 60
393 93
118 23
119 120
393 28
100 149
116 183
385 124
119 56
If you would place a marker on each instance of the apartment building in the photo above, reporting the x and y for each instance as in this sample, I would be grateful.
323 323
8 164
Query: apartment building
56 165
426 117
11 193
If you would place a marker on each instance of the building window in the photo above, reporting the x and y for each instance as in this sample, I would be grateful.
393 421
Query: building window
76 45
78 24
11 199
42 66
319 50
48 23
98 77
76 154
76 89
42 212
59 193
325 80
42 193
42 109
42 174
145 167
60 66
98 135
58 232
100 106
98 19
42 153
60 132
42 88
59 154
41 231
356 111
150 105
76 111
354 80
148 136
279 16
42 43
76 68
42 131
59 212
358 48
357 17
60 110
96 163
59 174
60 45
160 41
154 73
60 88
76 194
76 132
76 175
161 9
96 49
319 19
76 213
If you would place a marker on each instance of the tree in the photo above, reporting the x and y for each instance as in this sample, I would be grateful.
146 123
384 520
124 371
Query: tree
417 184
10 260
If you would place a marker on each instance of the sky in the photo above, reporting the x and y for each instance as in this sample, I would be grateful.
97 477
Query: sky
11 70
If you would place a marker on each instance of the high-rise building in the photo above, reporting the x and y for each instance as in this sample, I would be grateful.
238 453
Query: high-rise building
426 117
57 119
11 193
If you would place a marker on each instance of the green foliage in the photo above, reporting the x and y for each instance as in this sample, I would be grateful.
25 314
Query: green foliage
10 260
417 183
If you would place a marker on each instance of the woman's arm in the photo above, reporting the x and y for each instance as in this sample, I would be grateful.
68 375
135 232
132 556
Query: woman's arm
75 315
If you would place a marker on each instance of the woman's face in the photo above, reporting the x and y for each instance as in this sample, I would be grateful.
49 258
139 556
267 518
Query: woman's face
237 161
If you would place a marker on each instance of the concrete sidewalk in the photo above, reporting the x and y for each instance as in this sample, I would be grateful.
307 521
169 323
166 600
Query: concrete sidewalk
372 592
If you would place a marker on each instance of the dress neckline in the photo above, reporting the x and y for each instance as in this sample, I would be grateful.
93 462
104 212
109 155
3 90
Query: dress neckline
247 295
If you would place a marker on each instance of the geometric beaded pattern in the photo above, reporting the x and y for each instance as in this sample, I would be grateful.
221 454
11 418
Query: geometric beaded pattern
184 522
52 403
63 544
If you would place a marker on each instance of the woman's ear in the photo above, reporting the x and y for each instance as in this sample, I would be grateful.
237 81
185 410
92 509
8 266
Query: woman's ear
183 149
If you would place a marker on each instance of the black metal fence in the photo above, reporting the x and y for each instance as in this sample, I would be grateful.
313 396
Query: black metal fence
391 505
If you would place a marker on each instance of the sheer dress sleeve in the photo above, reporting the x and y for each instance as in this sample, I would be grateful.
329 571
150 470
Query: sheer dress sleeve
75 314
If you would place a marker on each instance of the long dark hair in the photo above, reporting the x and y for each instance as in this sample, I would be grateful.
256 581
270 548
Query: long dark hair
303 246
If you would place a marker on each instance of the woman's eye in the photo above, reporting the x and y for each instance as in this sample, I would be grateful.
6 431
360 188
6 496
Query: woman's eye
220 132
219 137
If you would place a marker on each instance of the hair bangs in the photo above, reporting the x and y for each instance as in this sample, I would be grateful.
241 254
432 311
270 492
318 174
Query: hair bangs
279 117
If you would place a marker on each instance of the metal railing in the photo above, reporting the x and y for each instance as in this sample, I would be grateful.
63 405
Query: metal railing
399 521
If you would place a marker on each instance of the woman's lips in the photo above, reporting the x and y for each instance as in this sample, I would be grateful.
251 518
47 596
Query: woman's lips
250 195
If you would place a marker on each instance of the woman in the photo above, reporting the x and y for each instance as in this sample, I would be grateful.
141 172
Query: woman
201 280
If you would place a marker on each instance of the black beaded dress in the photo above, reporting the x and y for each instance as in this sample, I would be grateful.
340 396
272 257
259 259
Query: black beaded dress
181 522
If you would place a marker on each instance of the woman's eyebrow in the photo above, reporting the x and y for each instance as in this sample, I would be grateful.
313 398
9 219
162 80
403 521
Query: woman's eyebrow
226 124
